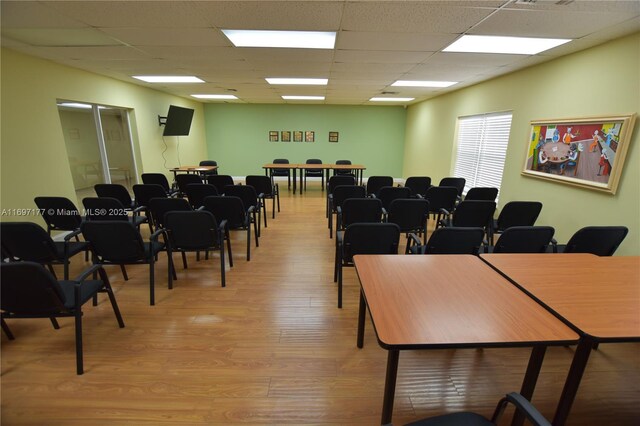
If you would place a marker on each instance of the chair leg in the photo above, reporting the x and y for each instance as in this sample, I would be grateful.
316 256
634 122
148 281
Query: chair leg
277 195
249 242
171 271
340 285
273 206
112 298
7 330
222 271
184 260
124 272
335 265
79 360
228 238
152 296
264 212
54 322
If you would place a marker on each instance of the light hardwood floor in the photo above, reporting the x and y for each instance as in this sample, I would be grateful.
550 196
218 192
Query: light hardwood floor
271 348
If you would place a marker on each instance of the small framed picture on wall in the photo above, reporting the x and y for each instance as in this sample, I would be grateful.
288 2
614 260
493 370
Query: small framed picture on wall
285 136
309 136
333 136
297 136
273 136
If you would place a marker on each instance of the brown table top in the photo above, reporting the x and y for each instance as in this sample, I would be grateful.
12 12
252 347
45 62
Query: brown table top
451 301
313 166
194 168
600 296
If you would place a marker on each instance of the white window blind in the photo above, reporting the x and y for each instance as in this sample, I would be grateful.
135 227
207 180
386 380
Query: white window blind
482 148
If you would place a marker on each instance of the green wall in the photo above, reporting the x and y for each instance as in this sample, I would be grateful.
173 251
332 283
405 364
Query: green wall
33 155
601 81
238 136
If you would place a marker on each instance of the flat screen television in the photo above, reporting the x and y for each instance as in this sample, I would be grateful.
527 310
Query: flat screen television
178 121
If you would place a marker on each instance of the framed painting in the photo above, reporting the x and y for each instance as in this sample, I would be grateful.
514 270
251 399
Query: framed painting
273 136
297 136
309 136
285 136
333 136
585 152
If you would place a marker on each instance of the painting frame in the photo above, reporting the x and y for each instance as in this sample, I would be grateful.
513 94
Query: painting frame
274 136
309 136
334 136
285 135
298 136
586 152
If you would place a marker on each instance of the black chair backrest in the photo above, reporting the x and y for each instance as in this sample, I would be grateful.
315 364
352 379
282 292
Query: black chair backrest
598 240
220 182
114 190
280 161
455 241
473 213
343 171
145 192
104 208
27 241
361 210
337 180
418 184
191 230
482 194
229 208
410 214
156 179
456 182
114 240
29 289
518 213
314 172
280 172
59 213
524 239
387 194
160 206
261 183
185 179
370 238
441 197
196 192
246 193
210 163
374 183
343 192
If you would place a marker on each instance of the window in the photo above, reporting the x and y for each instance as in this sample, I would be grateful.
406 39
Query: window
482 148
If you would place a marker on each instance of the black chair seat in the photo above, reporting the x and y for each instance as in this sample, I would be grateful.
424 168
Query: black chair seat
74 247
87 291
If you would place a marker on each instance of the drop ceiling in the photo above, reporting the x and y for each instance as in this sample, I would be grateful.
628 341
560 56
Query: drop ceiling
378 42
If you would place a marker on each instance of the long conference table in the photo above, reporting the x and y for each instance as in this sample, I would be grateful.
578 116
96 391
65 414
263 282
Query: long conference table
357 168
598 297
450 301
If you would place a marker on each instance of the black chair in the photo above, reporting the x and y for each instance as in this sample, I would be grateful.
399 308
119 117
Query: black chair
363 238
523 239
598 240
313 172
456 182
469 214
117 191
30 291
441 197
143 194
418 185
106 208
158 179
515 213
196 193
281 172
232 210
482 194
210 163
374 183
343 172
28 241
185 179
158 207
339 194
411 215
449 241
220 182
116 242
522 405
335 181
387 194
194 231
59 213
266 190
250 201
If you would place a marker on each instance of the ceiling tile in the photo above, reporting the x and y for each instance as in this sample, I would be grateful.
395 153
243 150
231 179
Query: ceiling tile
377 56
394 41
169 36
34 14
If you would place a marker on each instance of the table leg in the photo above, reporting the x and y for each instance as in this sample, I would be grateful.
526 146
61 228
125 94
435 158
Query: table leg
362 312
301 173
390 386
572 383
294 181
530 379
266 172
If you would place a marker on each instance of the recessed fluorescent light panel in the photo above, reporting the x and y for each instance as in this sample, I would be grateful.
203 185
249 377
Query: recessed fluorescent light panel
203 96
291 39
299 81
380 99
509 45
169 78
303 98
423 83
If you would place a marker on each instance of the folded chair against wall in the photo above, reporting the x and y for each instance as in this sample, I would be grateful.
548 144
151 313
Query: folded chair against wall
30 291
232 210
28 241
598 240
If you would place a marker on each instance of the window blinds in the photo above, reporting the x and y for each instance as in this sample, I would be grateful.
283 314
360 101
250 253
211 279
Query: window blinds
482 148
